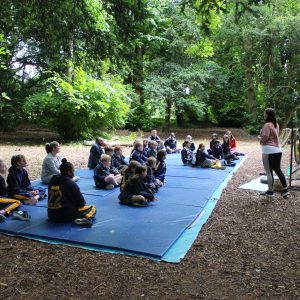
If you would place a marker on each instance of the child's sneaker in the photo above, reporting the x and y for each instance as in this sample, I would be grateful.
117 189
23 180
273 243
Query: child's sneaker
42 197
268 194
285 193
84 222
2 218
140 203
110 187
21 215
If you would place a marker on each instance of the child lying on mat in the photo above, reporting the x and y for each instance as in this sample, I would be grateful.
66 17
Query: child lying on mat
161 167
105 176
204 160
151 182
18 183
9 206
128 171
65 201
135 192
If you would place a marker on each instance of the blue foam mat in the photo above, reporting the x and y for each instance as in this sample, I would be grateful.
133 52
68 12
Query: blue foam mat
165 230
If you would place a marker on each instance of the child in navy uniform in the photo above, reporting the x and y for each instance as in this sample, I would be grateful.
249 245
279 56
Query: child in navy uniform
217 151
171 144
160 145
145 146
135 192
152 150
104 176
137 153
151 182
227 155
161 167
9 206
186 154
205 160
95 153
114 163
119 158
128 171
65 201
153 136
18 183
214 140
192 145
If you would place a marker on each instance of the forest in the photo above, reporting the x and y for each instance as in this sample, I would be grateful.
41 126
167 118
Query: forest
78 66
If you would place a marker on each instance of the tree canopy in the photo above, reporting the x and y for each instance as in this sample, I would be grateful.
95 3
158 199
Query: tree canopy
78 66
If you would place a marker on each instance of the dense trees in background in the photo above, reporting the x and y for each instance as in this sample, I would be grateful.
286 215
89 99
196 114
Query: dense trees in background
76 66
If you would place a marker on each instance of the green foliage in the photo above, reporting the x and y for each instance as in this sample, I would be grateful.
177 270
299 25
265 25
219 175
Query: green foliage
79 109
139 117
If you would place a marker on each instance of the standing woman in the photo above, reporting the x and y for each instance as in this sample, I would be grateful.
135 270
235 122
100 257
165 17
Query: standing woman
51 162
271 152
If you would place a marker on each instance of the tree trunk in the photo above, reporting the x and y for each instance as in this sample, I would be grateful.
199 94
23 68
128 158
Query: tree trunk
168 114
252 102
138 73
289 116
179 119
70 69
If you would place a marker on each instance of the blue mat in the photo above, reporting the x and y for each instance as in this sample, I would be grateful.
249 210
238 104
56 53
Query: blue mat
150 231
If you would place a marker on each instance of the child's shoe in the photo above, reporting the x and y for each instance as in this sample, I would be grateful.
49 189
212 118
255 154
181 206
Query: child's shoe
84 222
21 215
140 203
268 194
110 187
285 193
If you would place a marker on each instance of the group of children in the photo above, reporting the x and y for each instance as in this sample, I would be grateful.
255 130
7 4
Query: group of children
219 155
17 189
138 180
141 178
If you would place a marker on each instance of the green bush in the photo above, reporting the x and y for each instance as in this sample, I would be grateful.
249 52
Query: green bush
79 109
139 118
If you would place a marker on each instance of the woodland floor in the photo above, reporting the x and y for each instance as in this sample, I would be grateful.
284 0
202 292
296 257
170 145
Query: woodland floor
248 249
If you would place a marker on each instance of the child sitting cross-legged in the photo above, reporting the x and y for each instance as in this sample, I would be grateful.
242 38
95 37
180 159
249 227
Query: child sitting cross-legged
227 155
204 160
114 163
135 192
65 201
192 145
161 166
145 146
118 158
187 154
152 150
105 176
128 171
214 141
137 153
171 144
19 185
152 183
9 206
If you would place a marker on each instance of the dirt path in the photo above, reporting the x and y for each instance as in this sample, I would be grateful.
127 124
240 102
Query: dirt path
248 249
